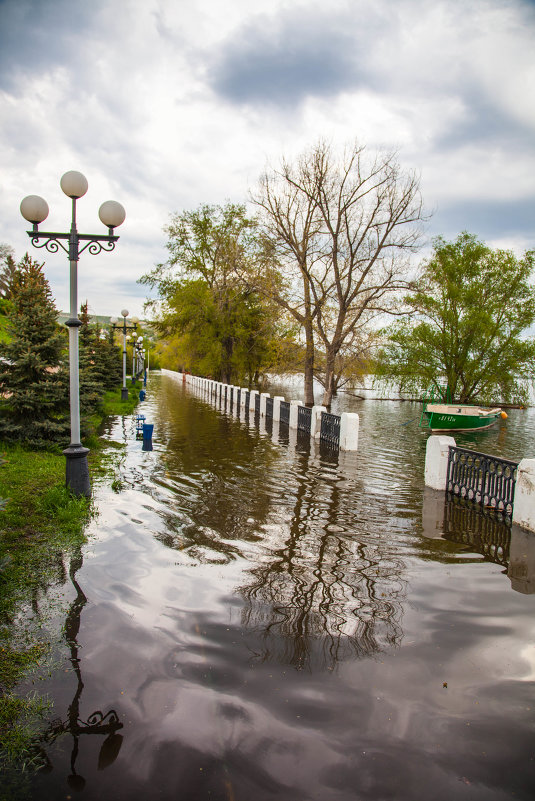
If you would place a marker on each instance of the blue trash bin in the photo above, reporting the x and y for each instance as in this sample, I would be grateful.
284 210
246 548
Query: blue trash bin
148 428
142 394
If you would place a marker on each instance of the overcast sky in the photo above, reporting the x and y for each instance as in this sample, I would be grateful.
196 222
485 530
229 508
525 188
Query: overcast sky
167 104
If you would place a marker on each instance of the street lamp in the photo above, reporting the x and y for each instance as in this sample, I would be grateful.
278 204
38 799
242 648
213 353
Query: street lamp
115 323
139 347
134 337
34 209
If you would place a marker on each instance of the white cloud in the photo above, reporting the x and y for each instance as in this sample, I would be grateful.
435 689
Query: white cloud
125 92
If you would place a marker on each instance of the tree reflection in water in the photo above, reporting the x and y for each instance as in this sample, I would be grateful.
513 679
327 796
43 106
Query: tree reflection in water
323 592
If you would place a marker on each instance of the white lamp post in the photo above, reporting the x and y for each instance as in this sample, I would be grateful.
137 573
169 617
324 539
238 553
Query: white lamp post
35 209
133 325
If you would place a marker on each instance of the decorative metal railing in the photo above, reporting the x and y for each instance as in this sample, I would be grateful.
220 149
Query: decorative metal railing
257 403
247 401
486 480
330 429
269 407
304 418
285 412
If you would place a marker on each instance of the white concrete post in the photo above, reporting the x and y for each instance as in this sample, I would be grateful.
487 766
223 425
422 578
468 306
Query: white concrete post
315 421
252 400
294 406
524 505
349 431
277 408
263 397
436 461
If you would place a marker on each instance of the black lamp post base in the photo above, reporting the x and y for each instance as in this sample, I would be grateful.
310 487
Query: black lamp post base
124 393
77 471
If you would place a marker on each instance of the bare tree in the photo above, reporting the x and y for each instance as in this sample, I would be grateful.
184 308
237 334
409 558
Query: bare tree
291 229
363 218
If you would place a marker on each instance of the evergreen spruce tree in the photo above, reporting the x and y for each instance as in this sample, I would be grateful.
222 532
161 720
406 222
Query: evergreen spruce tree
34 402
8 268
108 359
91 387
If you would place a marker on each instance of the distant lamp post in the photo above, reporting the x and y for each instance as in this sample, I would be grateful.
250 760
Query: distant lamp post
35 209
134 337
133 325
139 348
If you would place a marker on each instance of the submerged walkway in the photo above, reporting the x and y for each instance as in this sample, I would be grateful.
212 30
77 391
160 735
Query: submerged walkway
268 621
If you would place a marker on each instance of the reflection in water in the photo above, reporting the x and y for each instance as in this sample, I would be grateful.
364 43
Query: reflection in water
319 594
97 723
489 534
319 589
522 561
460 521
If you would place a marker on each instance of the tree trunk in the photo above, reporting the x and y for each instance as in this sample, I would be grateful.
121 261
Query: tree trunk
329 378
309 346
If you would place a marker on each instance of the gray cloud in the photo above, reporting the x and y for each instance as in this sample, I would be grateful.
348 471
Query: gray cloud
487 219
485 121
36 34
284 61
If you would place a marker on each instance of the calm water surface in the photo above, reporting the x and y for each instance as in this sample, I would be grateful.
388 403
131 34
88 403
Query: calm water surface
257 618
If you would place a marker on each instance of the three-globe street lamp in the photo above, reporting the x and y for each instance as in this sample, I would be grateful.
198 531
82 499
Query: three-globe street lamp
116 324
34 209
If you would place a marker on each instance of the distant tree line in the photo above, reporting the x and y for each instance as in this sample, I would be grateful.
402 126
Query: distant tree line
307 283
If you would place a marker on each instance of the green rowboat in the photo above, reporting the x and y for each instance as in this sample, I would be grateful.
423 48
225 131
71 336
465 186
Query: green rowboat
458 417
440 413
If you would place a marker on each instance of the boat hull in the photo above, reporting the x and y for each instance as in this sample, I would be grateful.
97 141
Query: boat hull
440 417
464 425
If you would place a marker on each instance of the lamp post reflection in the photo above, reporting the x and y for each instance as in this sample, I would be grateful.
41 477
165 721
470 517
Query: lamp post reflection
97 723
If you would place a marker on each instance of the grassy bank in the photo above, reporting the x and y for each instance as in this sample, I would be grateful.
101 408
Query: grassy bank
41 532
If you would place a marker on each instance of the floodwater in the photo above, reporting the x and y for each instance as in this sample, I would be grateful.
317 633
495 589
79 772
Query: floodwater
256 618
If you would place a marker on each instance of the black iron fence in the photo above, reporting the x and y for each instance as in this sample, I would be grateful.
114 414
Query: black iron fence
486 480
304 418
330 429
257 403
269 407
285 412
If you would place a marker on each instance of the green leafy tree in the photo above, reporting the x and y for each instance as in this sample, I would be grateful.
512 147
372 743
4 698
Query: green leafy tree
213 318
470 311
33 381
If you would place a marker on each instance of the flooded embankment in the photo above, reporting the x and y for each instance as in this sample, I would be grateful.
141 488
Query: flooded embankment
257 618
